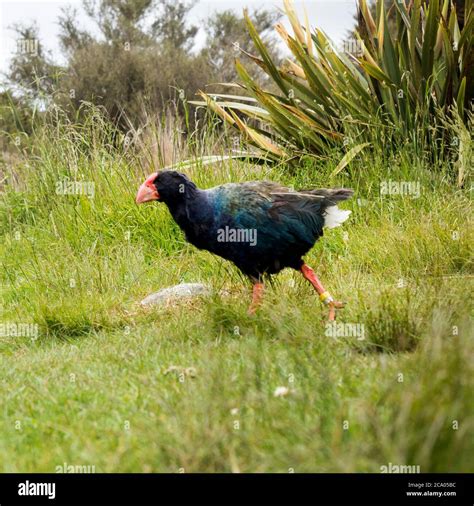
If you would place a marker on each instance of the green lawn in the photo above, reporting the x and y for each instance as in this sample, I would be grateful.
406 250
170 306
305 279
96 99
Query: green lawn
190 387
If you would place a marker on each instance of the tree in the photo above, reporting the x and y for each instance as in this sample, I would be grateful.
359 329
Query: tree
171 28
31 70
126 68
227 35
142 59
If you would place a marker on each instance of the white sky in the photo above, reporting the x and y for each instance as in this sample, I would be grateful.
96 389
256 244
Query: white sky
335 17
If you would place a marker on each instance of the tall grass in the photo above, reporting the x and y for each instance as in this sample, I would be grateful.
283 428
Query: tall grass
96 386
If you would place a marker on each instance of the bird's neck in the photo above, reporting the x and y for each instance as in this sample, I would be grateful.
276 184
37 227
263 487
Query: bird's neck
189 209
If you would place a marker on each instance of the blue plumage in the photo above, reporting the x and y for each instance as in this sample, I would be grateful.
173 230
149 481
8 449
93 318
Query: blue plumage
261 227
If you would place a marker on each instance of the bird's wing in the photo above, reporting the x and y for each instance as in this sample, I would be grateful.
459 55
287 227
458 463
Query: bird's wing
309 207
278 213
332 195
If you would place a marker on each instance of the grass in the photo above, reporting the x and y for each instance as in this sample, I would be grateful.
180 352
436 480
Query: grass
190 387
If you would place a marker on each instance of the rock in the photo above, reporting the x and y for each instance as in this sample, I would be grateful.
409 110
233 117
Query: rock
281 392
181 291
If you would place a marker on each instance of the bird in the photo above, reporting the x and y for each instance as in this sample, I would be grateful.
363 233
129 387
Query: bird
260 226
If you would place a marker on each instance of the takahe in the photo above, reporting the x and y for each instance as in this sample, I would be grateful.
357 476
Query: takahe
261 226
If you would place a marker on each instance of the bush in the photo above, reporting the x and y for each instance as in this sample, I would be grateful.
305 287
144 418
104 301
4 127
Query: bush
400 88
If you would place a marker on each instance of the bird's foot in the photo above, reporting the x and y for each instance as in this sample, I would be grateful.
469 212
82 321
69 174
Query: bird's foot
256 298
327 299
335 304
251 310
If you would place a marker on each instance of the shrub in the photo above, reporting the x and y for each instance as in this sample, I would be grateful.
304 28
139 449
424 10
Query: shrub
402 85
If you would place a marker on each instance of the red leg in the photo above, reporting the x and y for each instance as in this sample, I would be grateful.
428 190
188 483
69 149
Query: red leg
324 296
257 296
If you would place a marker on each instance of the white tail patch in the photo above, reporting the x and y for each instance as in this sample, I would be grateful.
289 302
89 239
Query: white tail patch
335 216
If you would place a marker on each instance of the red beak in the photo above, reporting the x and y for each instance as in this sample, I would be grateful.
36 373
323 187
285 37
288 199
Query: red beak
147 190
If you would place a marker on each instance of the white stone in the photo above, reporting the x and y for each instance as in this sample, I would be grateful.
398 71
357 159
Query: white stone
181 291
